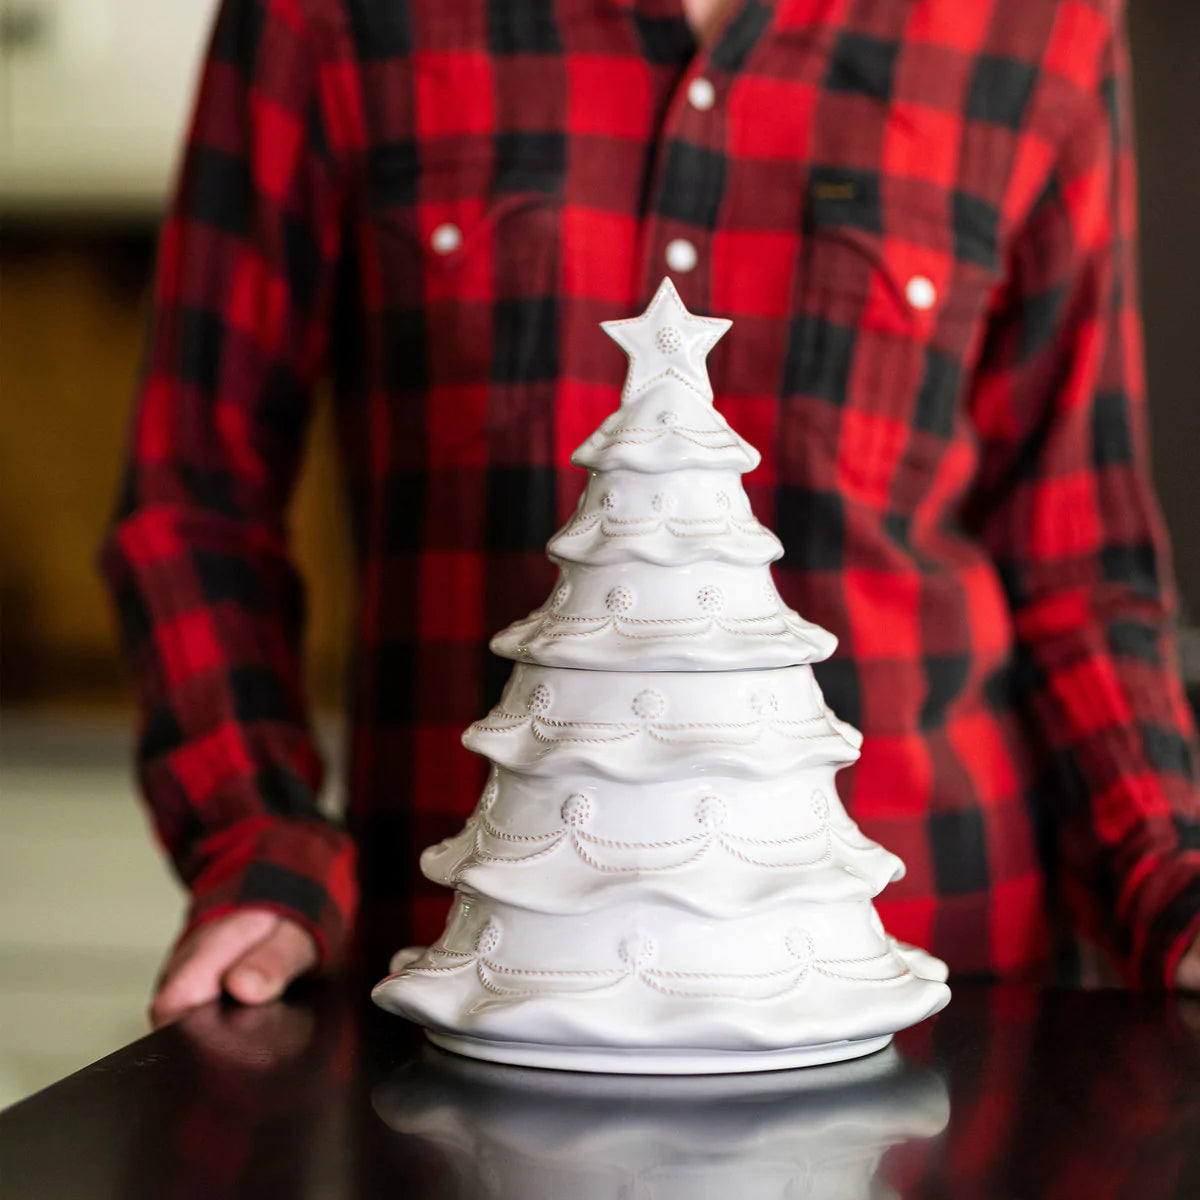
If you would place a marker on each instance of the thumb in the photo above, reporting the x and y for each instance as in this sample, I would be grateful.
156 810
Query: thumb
262 973
1187 974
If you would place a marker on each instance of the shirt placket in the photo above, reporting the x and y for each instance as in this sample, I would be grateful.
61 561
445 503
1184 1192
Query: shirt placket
689 173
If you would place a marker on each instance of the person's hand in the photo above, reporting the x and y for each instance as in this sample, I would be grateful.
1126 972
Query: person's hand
1187 974
251 954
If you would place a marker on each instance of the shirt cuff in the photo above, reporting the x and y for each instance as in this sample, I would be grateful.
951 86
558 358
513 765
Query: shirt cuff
302 869
1162 908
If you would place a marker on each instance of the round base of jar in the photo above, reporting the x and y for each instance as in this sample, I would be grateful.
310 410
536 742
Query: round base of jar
616 1060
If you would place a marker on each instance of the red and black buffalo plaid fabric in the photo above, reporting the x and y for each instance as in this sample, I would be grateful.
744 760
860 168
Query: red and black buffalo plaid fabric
920 215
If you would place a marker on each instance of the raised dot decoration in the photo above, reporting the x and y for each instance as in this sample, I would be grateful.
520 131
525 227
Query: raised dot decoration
668 339
539 700
664 502
800 946
711 599
637 950
722 499
649 705
608 502
820 806
711 811
668 418
560 595
764 703
488 937
576 810
490 793
619 599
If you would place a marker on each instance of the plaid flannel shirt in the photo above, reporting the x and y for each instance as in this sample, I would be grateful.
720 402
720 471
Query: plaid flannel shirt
920 215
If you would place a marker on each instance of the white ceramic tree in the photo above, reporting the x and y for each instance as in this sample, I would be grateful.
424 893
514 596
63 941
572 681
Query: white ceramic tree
659 876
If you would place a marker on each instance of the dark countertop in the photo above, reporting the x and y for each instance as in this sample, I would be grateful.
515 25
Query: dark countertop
1009 1092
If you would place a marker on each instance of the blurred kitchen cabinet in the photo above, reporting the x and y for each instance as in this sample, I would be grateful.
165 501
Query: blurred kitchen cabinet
94 98
72 317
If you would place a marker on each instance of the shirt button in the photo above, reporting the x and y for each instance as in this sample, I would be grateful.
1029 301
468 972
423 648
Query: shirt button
446 239
681 255
920 292
701 94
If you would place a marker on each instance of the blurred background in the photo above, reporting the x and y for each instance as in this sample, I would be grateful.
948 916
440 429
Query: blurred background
94 97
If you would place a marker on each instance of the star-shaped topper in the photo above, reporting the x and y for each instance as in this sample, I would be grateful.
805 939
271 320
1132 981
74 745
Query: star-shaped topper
666 341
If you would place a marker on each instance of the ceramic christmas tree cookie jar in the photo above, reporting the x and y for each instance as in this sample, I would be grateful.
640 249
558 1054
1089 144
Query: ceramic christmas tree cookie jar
659 876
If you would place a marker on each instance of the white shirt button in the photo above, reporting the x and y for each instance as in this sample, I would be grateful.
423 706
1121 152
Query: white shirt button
446 239
681 255
920 292
701 94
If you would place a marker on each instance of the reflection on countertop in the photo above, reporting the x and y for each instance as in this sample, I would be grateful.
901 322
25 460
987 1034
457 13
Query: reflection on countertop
502 1131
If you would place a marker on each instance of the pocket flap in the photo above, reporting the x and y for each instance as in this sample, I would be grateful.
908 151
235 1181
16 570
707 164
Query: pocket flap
919 276
447 232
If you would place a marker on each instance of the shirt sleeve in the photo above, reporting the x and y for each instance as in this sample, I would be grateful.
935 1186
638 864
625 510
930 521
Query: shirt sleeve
1066 507
209 604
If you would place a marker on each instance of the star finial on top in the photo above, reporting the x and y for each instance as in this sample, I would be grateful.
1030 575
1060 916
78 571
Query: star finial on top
666 340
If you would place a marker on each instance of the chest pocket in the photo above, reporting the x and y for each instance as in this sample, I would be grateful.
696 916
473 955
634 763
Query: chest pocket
884 330
469 259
